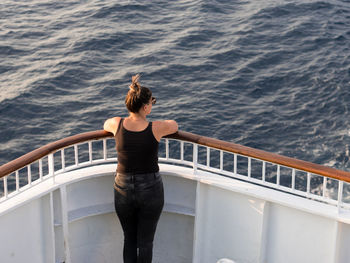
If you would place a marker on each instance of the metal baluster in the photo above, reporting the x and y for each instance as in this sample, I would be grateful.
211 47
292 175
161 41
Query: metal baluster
308 184
264 171
195 158
51 165
293 179
324 188
340 194
5 187
41 169
167 149
221 160
76 158
235 164
63 160
17 181
278 175
249 167
182 150
104 149
90 152
29 172
208 157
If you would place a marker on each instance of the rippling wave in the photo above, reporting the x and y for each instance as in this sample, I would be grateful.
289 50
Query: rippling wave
273 75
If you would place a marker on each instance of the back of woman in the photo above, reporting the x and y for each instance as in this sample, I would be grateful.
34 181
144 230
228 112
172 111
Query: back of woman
137 150
138 187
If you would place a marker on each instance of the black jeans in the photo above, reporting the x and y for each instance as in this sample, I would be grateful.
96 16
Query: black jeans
138 200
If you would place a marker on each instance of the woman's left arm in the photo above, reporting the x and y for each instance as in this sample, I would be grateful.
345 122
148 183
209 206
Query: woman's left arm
111 125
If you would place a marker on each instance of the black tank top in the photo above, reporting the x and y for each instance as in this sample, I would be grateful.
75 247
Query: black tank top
137 150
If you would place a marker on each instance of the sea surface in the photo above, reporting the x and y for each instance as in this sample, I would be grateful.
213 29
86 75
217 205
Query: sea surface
272 74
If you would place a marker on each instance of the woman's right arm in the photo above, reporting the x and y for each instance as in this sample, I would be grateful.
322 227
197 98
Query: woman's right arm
171 127
163 128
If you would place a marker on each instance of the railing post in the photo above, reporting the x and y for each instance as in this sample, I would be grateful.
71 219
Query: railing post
17 181
235 164
90 152
324 187
51 165
195 158
104 149
221 160
249 167
5 187
166 149
263 177
182 146
340 194
308 184
29 172
41 169
63 160
208 157
76 157
293 179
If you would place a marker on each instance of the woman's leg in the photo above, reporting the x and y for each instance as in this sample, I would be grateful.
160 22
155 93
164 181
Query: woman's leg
127 215
151 205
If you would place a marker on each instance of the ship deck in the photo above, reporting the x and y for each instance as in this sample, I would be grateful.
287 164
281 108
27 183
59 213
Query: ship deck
210 213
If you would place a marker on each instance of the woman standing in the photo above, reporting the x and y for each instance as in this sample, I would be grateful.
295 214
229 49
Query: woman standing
138 188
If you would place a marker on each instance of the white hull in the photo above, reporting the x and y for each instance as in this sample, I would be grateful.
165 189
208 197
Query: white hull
206 217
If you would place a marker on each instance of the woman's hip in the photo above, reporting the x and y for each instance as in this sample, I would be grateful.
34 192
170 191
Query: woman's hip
137 182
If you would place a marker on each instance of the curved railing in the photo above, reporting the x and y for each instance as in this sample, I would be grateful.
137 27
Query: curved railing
39 153
268 165
263 155
35 155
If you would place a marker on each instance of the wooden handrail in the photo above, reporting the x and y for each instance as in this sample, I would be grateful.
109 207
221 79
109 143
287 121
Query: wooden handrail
265 156
35 155
39 153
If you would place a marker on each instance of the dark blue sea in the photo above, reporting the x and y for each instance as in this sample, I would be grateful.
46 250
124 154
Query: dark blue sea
273 74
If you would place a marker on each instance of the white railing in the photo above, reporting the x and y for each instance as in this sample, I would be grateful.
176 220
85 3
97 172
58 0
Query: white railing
48 167
184 153
260 172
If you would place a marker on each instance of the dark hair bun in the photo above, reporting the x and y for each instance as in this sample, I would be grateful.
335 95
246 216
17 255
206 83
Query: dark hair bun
135 85
137 95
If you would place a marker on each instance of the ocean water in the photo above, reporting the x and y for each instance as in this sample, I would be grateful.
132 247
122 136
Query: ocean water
273 74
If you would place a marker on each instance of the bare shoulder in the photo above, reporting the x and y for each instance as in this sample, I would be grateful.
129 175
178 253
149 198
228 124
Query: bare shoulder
111 125
163 128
